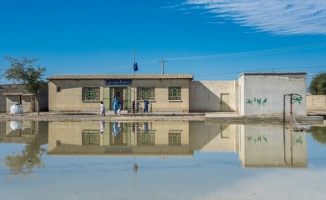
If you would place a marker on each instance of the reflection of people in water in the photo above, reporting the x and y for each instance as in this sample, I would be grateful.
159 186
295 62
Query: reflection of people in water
116 128
102 123
145 127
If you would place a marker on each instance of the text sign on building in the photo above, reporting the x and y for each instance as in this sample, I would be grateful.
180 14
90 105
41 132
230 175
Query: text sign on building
119 82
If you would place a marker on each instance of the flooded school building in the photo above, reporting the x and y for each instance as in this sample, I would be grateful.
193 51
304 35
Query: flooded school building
251 94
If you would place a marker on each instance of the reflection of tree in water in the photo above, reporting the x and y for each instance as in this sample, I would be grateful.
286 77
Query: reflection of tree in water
319 134
23 162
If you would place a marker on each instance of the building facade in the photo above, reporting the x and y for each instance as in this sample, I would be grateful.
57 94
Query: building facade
270 93
85 92
251 94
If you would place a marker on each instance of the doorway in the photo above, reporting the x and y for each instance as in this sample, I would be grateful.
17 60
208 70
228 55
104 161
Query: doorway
122 94
225 102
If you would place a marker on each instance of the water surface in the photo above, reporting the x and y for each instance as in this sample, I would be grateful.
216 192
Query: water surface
160 160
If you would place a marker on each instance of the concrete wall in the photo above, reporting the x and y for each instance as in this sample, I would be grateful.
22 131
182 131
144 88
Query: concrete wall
316 103
6 101
262 94
206 96
9 88
70 96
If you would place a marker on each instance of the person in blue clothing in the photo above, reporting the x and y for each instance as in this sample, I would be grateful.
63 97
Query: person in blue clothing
116 128
146 106
115 103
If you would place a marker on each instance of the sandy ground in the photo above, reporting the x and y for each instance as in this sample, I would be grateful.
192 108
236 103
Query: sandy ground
45 116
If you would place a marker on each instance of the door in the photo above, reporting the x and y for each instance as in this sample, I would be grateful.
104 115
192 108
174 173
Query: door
225 102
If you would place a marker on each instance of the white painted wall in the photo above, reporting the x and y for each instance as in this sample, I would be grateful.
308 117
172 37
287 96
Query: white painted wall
262 93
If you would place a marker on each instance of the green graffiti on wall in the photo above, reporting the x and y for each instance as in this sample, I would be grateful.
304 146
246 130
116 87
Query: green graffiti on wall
297 99
260 138
258 101
298 140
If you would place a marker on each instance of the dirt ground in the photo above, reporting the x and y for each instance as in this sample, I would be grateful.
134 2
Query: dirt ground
96 117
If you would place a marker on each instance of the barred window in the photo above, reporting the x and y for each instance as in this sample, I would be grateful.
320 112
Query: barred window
91 94
90 137
146 93
174 93
175 138
146 138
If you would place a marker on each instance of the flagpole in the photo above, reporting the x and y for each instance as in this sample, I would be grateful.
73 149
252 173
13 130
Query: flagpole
134 109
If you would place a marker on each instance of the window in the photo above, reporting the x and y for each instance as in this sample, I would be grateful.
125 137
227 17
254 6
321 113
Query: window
58 89
91 94
174 93
175 138
146 138
90 137
146 93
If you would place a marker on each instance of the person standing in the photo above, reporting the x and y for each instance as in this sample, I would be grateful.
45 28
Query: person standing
115 103
102 109
133 106
146 106
137 107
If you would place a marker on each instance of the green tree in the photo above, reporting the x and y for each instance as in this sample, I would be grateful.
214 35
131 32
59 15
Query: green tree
319 133
318 84
22 71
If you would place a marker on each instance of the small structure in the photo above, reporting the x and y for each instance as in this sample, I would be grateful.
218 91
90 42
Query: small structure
263 93
26 101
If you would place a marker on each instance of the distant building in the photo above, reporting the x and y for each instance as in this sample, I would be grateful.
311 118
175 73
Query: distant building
11 94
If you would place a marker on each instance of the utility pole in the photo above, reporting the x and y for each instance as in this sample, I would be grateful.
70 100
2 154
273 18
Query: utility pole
162 61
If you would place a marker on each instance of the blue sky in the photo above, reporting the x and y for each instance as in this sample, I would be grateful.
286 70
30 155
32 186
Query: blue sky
211 39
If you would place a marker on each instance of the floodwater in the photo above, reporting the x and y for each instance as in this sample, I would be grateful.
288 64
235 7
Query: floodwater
160 160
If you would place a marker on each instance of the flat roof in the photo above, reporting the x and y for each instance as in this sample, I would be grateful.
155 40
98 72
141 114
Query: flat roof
272 73
120 76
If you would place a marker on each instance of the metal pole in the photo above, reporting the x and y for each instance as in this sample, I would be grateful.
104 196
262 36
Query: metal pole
284 110
291 123
134 85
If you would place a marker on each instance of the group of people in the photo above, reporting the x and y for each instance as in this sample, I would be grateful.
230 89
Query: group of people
117 107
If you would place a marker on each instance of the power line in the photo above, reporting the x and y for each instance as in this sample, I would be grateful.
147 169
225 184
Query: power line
259 70
229 55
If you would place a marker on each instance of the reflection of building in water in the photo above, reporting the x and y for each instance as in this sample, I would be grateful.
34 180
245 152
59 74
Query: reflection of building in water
23 131
213 136
142 138
258 145
268 146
